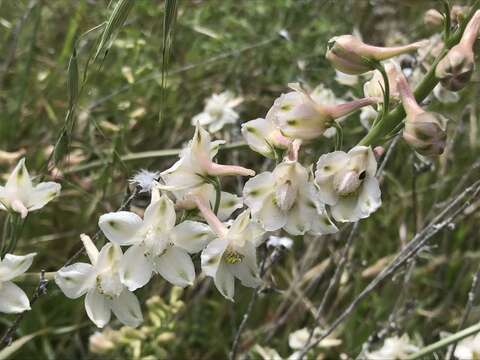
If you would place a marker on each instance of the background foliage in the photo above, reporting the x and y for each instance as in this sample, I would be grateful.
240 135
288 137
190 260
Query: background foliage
253 48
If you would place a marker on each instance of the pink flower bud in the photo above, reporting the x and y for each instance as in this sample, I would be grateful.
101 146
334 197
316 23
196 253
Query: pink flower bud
350 55
423 130
456 68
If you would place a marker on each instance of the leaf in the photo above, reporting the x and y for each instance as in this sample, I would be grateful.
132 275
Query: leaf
18 344
114 23
73 79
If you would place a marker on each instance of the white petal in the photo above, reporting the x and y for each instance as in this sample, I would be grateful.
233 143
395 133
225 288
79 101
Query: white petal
245 275
369 199
176 266
203 119
42 194
75 280
98 308
120 227
182 175
19 180
192 236
224 281
240 224
327 166
257 189
90 248
13 265
228 204
346 210
212 256
161 214
13 300
127 309
109 257
256 133
135 269
270 215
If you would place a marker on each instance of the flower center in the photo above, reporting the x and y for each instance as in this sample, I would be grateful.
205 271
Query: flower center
232 257
347 182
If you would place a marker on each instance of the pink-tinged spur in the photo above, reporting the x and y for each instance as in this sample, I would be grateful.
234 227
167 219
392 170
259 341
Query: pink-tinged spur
352 56
21 196
423 129
100 281
196 164
156 244
232 254
456 68
287 198
13 300
302 115
347 182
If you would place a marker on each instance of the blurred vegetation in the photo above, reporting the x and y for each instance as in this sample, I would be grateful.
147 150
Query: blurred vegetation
253 48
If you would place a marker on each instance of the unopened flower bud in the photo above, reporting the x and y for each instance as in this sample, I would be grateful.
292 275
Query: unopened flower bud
456 68
375 87
350 55
433 18
423 130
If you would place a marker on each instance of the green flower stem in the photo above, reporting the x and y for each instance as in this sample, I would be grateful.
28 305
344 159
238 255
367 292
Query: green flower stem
34 278
218 194
445 342
384 128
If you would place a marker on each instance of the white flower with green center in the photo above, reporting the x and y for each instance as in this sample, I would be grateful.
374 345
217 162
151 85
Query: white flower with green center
347 182
196 164
287 198
12 299
100 280
264 137
232 254
303 115
156 244
394 348
21 196
219 111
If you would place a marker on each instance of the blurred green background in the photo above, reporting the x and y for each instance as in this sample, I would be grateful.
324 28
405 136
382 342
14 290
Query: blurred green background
253 48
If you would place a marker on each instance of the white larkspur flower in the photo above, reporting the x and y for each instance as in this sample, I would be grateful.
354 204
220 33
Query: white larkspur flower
264 137
145 179
394 348
302 115
346 79
298 341
196 164
348 184
12 299
100 281
228 202
287 198
21 196
468 348
232 254
157 245
218 111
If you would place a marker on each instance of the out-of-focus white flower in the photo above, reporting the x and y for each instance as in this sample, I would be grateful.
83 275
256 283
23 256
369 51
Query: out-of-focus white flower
196 164
100 342
264 137
347 183
445 96
100 280
157 245
298 341
12 299
302 115
394 348
468 348
21 196
266 353
218 111
276 241
228 202
145 179
232 254
375 87
367 116
346 79
287 198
